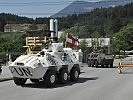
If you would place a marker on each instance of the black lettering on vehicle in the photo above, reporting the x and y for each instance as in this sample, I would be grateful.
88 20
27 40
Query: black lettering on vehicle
27 72
20 72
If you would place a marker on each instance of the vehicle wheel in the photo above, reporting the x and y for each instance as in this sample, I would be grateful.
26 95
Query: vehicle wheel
96 64
111 65
107 66
92 63
89 63
102 65
19 81
50 78
0 69
63 76
34 80
74 74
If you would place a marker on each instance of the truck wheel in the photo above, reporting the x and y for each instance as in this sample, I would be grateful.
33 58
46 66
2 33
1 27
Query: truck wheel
96 64
106 66
111 65
34 80
74 74
92 63
63 76
89 63
19 81
50 78
102 65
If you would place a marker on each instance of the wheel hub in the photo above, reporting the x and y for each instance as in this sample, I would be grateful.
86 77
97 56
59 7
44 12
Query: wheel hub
52 78
76 74
65 76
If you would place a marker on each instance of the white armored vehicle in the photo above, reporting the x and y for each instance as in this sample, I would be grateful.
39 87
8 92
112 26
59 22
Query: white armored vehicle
49 65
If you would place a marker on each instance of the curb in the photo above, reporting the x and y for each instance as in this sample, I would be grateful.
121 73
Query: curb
6 79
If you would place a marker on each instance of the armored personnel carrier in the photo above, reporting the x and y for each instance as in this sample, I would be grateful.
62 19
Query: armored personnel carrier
49 65
97 59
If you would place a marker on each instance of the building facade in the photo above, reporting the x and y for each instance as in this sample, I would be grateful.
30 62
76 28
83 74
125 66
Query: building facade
22 27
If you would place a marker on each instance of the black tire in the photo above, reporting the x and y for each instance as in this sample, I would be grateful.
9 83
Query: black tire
50 78
107 66
111 65
89 63
34 80
63 76
0 69
96 64
102 65
19 81
92 63
74 74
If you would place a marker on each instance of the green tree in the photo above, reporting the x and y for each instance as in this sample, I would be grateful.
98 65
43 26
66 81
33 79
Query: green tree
83 46
63 38
123 39
96 34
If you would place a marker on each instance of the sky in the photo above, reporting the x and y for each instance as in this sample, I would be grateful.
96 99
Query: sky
35 8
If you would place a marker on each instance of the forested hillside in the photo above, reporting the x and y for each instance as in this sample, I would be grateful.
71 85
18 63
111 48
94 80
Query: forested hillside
105 21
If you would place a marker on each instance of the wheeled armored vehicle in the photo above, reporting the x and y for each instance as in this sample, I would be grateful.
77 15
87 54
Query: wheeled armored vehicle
99 59
54 63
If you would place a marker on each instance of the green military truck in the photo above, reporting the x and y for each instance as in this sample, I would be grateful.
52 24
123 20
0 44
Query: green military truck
99 59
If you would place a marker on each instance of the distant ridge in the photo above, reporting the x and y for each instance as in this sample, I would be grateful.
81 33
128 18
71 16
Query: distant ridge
78 7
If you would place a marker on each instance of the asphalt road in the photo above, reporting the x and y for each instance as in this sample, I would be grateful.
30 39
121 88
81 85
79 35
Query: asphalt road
93 84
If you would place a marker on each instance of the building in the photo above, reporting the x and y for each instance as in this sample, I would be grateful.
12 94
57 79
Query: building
98 42
22 27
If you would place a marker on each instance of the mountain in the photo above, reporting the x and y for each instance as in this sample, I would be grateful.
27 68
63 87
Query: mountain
78 7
